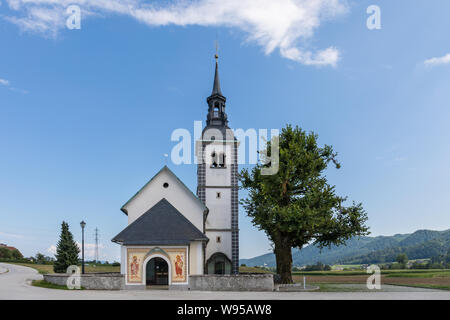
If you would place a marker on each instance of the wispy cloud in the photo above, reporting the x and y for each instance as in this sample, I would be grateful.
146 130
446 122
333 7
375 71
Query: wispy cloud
7 83
4 82
283 25
11 235
89 250
438 61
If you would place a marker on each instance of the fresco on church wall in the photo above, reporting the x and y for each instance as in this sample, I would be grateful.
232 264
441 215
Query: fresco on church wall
134 269
137 256
179 264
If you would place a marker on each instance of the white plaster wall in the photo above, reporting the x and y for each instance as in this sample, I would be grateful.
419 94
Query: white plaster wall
123 259
219 216
196 258
224 246
182 199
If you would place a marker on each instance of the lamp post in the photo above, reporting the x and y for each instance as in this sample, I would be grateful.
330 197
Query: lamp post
82 224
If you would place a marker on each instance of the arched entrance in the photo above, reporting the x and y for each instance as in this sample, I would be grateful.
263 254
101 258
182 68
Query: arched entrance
218 263
157 272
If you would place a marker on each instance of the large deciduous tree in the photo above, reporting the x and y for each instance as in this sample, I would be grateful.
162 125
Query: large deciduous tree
66 251
298 206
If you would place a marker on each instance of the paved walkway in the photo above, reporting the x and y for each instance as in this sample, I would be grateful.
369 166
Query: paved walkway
16 284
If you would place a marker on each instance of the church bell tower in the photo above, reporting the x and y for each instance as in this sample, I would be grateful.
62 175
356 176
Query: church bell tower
217 185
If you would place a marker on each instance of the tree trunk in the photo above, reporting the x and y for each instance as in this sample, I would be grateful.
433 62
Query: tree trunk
283 255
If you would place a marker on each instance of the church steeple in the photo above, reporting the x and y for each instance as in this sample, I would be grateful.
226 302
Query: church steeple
216 88
216 102
217 178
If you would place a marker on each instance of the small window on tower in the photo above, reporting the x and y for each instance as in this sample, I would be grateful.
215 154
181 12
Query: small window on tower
218 239
218 195
222 160
218 160
216 112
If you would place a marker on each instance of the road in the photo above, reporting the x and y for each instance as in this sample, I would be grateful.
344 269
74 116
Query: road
15 284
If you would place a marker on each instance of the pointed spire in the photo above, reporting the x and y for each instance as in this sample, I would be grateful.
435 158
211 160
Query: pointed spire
216 102
216 88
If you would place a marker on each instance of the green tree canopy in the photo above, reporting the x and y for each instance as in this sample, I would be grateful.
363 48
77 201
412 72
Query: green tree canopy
66 251
297 205
16 254
10 254
402 258
5 253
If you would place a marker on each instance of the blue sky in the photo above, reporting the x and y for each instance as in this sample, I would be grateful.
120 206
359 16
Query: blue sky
86 115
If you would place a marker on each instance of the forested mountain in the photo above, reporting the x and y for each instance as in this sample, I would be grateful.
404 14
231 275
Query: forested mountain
418 245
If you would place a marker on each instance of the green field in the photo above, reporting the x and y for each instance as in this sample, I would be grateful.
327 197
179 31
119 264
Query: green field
253 270
419 273
346 266
48 268
444 273
420 278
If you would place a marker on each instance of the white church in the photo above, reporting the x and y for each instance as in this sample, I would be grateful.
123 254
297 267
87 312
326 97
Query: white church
173 233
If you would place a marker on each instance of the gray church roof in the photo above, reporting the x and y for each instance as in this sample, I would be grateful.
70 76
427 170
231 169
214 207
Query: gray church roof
163 224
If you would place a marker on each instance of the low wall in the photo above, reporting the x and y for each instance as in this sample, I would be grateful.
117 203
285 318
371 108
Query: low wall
116 281
91 281
242 282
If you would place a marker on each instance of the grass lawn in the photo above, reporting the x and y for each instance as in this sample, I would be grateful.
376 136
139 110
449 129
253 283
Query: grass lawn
48 285
253 270
424 274
47 268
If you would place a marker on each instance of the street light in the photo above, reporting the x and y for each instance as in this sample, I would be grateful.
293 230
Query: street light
82 224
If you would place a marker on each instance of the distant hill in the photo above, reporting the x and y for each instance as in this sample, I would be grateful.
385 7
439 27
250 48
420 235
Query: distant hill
418 245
